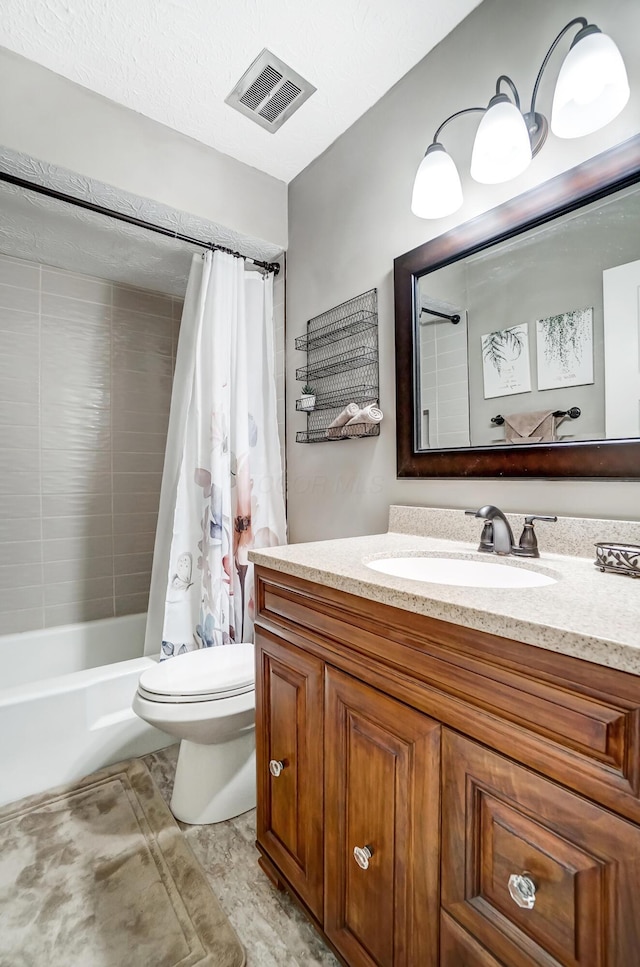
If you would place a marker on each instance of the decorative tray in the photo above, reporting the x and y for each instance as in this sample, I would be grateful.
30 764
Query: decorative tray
622 558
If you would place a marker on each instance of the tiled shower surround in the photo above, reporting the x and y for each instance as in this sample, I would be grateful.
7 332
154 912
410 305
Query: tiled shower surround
85 387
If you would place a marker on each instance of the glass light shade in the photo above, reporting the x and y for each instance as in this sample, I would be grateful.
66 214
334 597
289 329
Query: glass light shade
437 190
592 87
502 148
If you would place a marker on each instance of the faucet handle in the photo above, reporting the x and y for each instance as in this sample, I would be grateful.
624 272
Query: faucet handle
528 545
486 538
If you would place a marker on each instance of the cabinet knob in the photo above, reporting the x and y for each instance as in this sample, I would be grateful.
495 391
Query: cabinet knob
522 890
362 855
276 767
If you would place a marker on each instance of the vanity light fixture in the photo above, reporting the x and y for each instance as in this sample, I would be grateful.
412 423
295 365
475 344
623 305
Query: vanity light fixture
591 90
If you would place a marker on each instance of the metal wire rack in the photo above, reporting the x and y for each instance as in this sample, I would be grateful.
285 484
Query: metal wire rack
342 363
339 343
338 329
340 399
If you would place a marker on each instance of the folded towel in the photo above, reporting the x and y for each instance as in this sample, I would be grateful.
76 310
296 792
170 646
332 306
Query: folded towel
368 414
537 427
335 429
345 416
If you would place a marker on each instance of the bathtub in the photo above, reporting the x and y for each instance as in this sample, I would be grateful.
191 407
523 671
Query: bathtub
65 703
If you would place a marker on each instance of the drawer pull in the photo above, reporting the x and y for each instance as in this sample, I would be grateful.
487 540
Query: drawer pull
362 855
276 767
522 890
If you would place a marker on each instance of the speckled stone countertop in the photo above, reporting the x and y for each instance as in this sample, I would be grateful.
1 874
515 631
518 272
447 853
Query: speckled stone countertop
586 613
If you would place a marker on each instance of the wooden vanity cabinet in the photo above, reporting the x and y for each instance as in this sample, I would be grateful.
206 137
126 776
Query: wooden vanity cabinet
501 822
289 729
437 780
382 807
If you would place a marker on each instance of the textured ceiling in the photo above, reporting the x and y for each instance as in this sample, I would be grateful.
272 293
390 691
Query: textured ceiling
176 60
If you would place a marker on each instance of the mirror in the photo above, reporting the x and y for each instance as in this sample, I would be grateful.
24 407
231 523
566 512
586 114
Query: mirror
521 333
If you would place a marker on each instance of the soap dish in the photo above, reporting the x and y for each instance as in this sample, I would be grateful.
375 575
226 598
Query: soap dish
622 558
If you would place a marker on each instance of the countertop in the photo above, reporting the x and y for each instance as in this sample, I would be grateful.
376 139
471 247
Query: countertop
586 613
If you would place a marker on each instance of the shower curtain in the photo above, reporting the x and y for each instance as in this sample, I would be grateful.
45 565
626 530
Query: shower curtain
222 490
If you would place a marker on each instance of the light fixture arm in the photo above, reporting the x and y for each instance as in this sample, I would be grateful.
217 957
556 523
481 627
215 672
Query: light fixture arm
514 89
466 110
572 23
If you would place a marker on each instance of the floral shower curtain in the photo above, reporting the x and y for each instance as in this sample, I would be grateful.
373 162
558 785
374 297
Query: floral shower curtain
222 483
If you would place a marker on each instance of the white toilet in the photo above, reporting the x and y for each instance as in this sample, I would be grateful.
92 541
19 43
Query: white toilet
207 699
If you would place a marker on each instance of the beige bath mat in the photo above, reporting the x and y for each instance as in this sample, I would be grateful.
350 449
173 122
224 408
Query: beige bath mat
97 874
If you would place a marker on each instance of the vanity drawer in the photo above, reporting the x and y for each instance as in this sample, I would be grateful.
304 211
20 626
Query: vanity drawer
577 722
501 821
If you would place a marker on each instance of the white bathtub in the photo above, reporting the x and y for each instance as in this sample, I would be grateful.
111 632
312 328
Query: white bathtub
65 703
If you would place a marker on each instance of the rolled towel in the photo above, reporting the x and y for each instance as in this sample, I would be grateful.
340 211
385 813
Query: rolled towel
368 414
335 429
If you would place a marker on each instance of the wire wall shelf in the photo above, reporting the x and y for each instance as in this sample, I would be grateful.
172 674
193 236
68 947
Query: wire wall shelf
332 401
342 363
339 329
340 343
355 431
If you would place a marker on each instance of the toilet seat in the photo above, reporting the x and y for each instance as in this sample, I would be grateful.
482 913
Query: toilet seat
205 675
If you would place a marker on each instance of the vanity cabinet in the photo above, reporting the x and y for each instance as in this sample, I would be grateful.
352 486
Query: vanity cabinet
289 717
449 797
505 828
381 821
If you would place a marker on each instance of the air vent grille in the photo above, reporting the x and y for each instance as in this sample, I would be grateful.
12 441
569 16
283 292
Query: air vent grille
261 88
269 92
280 100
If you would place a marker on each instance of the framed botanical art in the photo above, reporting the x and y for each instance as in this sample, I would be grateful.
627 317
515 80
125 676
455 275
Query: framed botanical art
505 362
565 349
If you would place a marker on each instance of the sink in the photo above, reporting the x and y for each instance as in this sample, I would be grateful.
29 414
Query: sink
460 572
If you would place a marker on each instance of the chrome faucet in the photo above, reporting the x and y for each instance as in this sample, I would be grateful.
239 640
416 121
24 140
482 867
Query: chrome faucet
502 533
497 536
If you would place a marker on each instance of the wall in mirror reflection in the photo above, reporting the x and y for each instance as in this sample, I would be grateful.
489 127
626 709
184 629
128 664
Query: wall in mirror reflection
589 259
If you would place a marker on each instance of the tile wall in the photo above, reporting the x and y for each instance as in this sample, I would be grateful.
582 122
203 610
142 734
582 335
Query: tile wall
444 390
85 386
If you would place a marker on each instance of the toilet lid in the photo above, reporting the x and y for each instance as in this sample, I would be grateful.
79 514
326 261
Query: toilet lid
218 672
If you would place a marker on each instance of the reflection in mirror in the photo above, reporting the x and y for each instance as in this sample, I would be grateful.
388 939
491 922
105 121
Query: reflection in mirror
541 324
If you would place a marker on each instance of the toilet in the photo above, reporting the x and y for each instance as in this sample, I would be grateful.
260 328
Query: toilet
206 698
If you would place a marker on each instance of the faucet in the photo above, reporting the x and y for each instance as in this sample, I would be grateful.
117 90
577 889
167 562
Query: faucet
497 536
502 533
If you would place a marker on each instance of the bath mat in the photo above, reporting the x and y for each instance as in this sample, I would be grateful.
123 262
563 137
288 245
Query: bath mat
98 874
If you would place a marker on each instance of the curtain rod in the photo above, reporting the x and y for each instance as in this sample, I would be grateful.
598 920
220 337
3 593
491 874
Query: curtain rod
130 219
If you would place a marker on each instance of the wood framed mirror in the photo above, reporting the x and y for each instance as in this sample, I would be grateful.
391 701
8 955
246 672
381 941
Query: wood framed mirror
605 189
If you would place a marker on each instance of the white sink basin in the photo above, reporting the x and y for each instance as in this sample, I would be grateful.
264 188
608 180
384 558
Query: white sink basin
461 573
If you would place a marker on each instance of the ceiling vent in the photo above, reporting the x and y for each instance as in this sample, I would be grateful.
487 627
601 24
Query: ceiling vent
269 92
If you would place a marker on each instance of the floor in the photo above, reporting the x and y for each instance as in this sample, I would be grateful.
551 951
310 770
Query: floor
270 926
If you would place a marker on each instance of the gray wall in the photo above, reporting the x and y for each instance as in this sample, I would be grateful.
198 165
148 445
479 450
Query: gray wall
349 216
86 369
49 117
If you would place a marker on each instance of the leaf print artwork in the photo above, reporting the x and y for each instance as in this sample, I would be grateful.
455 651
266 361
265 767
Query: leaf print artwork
565 349
503 346
505 361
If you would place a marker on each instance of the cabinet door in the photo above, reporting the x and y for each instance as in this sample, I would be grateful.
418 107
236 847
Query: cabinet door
289 748
382 800
506 830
